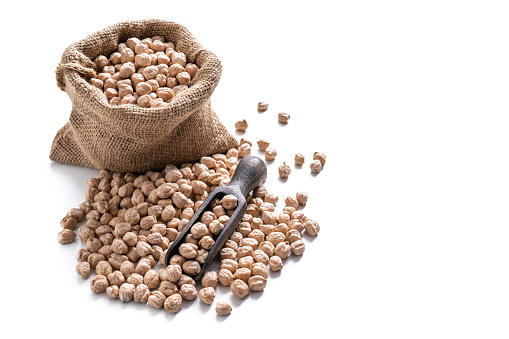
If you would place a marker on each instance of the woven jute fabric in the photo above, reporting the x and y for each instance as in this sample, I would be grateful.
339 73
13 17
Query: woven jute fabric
129 138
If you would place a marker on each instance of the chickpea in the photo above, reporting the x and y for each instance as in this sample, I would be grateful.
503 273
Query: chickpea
96 83
172 303
225 277
315 166
270 153
83 269
171 82
140 48
66 236
174 273
116 278
209 279
179 58
207 295
302 198
127 70
312 228
244 150
179 88
257 283
263 144
320 156
299 159
144 101
262 106
150 72
284 170
184 78
241 125
112 291
157 103
298 247
275 263
191 267
156 299
239 288
223 308
168 288
99 283
283 117
188 292
192 70
143 88
141 294
175 69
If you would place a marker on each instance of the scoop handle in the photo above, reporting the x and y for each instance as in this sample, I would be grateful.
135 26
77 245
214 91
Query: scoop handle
250 173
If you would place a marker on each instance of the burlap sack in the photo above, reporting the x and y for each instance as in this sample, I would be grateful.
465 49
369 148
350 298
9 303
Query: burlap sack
129 138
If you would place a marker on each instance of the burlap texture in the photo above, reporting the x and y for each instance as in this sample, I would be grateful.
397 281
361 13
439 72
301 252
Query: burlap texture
129 138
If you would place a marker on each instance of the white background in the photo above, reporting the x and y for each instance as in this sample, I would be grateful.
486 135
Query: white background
409 101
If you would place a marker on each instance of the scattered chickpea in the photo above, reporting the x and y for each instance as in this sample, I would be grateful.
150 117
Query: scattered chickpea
239 288
270 153
99 283
207 295
188 292
172 303
223 308
299 159
283 117
66 236
320 156
262 106
315 166
241 125
284 170
156 299
112 291
275 263
302 198
83 269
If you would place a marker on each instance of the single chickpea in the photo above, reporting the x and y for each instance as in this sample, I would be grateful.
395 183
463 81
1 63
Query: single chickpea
174 273
320 156
141 293
165 93
244 150
241 125
209 279
302 198
103 268
171 82
184 78
101 61
115 58
284 170
99 283
156 299
157 45
66 236
299 159
298 247
150 72
168 288
135 279
126 55
257 283
275 263
172 303
223 308
262 106
83 269
116 278
207 295
132 42
260 269
229 202
144 101
179 58
239 288
263 144
188 292
191 267
283 117
112 292
143 88
312 228
225 277
192 69
141 48
175 69
96 83
127 70
315 166
270 153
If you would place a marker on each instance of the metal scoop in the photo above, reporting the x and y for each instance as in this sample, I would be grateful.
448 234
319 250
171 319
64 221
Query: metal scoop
250 173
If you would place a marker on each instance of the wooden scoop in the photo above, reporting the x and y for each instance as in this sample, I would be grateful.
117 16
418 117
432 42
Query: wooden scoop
250 173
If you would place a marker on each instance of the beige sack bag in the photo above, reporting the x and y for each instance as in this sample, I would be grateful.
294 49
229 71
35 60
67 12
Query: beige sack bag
129 138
